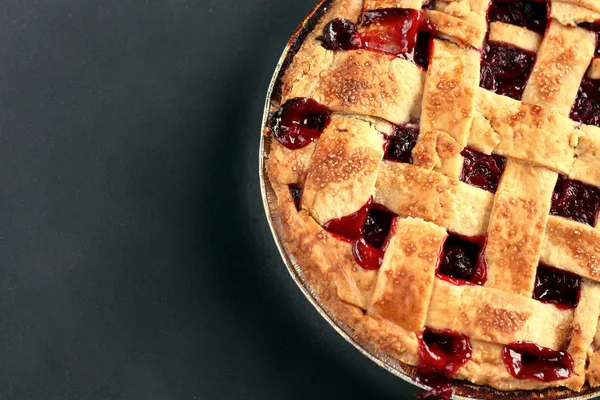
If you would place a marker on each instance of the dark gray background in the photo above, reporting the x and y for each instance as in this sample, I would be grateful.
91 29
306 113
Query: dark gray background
136 262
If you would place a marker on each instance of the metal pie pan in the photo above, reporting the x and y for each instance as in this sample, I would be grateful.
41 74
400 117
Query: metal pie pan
462 390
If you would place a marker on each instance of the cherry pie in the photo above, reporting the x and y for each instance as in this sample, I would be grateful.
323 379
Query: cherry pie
437 171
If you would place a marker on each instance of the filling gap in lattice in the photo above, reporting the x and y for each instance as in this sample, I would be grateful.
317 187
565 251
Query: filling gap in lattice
296 193
400 143
441 353
557 287
575 200
461 261
527 360
505 69
532 15
299 122
586 108
482 170
368 230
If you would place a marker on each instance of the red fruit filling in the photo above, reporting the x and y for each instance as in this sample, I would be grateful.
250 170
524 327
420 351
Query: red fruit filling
400 145
390 30
441 353
367 229
526 360
587 105
462 261
299 122
558 287
532 15
575 200
505 69
482 170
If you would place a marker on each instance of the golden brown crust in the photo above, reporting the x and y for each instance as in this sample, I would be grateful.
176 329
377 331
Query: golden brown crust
586 166
591 5
572 14
381 4
517 226
497 316
406 277
416 192
560 65
515 36
343 170
593 370
461 21
448 103
572 246
584 326
457 30
366 83
289 166
312 58
526 132
594 70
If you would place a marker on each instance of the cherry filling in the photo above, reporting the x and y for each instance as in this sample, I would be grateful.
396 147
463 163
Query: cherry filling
400 145
338 35
587 105
299 122
367 229
557 287
505 69
390 30
296 193
350 226
423 50
532 15
462 261
441 353
591 26
575 200
378 225
482 170
526 360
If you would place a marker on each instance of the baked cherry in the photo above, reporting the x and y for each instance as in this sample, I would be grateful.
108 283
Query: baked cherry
390 30
591 26
575 200
366 255
350 226
367 230
586 108
461 261
526 360
532 15
441 353
378 225
558 287
505 69
296 193
482 170
338 35
400 145
299 122
423 50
